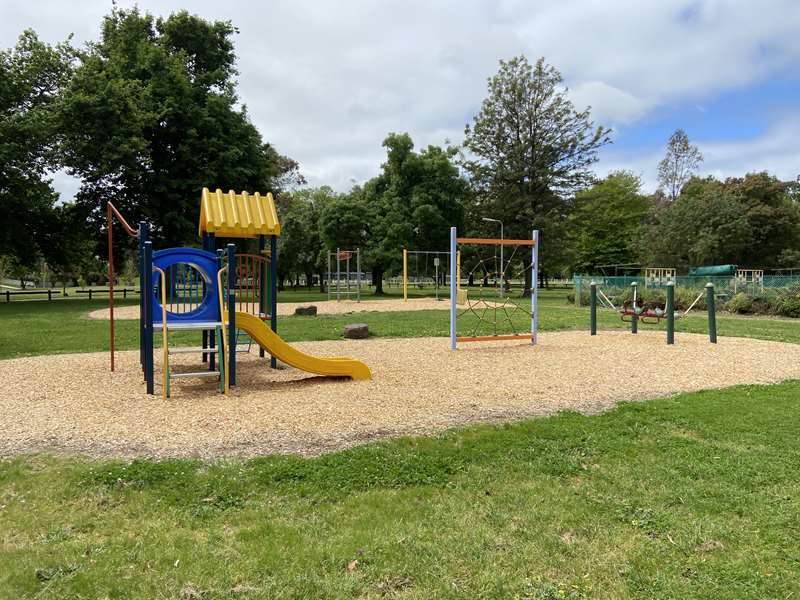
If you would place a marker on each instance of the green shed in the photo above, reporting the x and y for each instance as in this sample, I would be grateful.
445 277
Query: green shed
714 271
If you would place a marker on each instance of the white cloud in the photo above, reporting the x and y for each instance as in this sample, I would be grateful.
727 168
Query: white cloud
609 104
326 81
776 151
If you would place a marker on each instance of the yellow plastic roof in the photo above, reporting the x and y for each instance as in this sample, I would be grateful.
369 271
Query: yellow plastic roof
233 215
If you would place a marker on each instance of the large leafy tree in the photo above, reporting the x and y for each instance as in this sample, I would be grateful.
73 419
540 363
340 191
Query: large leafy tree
773 217
704 226
527 150
751 221
32 75
679 164
151 117
300 247
607 221
411 204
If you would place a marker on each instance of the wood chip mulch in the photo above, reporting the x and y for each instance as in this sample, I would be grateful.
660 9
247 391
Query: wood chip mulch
71 404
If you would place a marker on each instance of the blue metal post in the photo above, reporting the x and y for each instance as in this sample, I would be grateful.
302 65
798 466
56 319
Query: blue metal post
535 288
143 234
273 267
231 315
147 294
453 286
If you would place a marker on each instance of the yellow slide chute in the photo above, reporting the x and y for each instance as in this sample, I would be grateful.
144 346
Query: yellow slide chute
277 347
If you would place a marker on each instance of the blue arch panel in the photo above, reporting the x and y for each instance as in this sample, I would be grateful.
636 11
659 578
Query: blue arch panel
207 264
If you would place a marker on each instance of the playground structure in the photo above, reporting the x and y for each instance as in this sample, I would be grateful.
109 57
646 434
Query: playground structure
336 288
434 272
634 311
749 277
220 293
497 313
658 276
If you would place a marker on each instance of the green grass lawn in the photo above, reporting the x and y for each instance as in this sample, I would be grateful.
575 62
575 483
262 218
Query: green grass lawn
695 496
33 328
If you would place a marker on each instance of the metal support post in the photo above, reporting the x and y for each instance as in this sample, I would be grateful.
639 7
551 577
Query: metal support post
670 313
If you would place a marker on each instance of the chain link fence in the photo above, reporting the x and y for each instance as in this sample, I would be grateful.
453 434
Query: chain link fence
724 287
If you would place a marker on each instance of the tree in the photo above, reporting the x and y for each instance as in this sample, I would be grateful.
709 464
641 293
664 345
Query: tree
528 149
678 166
150 118
773 218
343 223
606 223
300 246
68 246
751 221
411 204
32 76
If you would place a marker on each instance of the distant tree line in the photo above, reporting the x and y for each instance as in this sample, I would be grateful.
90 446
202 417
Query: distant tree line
148 115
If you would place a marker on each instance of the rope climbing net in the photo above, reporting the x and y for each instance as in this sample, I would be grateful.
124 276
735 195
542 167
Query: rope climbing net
496 292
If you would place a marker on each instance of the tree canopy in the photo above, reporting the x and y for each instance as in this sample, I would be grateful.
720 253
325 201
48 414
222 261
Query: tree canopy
607 222
150 118
32 76
749 221
528 150
148 115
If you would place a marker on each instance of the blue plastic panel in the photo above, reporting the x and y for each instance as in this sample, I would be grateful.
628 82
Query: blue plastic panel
207 265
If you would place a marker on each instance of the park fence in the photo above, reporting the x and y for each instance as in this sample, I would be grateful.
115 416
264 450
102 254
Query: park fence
725 287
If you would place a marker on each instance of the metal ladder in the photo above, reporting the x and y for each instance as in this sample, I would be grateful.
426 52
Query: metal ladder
219 372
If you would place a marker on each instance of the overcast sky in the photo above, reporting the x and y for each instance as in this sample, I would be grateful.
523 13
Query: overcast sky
325 81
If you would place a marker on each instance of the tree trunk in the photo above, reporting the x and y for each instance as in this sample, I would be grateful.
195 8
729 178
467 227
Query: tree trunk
321 283
528 279
377 281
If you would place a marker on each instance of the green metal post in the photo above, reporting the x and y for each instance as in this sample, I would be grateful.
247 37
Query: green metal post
634 316
712 313
670 308
593 307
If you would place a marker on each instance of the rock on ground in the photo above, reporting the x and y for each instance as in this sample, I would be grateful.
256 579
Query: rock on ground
356 331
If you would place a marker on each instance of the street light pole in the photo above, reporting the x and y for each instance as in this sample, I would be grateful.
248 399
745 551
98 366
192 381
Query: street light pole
502 266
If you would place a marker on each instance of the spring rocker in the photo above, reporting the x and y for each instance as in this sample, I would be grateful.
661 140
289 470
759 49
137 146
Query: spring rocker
634 311
230 297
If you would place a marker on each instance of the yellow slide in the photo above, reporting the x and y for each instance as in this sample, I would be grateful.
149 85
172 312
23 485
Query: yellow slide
261 334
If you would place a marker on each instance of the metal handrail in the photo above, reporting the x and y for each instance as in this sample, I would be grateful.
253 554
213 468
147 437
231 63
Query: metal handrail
130 230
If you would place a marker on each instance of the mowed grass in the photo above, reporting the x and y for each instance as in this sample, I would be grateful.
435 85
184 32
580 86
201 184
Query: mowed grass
36 328
695 496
